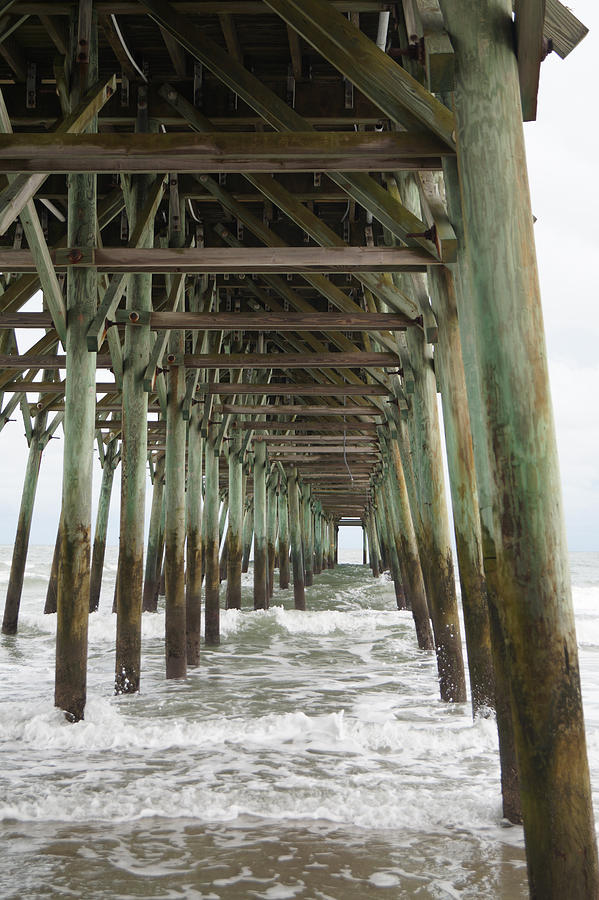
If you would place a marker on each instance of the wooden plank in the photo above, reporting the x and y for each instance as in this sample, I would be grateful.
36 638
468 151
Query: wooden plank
246 261
319 427
529 20
370 69
271 321
296 409
295 390
63 151
286 360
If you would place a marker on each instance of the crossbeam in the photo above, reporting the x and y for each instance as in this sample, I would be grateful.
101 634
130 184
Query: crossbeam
227 152
238 261
271 321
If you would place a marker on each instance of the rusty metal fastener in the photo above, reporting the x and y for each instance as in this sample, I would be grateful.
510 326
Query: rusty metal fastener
75 256
430 234
134 316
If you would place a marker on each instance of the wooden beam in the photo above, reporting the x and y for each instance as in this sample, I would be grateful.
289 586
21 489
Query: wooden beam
176 53
287 361
295 390
224 361
270 321
65 151
319 427
210 260
194 7
370 69
297 409
529 21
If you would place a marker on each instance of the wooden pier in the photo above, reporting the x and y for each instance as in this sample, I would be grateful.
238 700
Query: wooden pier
259 238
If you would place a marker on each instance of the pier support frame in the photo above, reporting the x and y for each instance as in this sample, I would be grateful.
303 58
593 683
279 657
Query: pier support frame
194 502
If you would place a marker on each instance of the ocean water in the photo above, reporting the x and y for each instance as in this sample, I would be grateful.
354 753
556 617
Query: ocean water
308 756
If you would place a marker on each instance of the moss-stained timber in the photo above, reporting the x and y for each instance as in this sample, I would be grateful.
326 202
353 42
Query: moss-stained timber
154 554
438 571
229 261
464 494
193 553
283 542
217 152
176 433
109 464
235 536
129 592
260 549
211 540
533 586
79 418
295 532
14 590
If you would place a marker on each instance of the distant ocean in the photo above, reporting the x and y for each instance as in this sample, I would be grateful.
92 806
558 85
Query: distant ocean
309 756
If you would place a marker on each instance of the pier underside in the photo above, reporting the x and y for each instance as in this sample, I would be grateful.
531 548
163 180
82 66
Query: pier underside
246 246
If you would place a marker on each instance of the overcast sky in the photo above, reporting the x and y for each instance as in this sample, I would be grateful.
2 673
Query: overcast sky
563 149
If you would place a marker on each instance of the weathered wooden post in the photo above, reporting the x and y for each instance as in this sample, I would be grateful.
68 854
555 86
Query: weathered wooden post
193 583
235 521
307 536
297 560
317 538
79 422
176 436
50 604
109 464
248 533
14 590
510 787
392 528
364 546
154 554
271 530
211 541
464 494
409 550
373 543
260 550
283 535
136 355
532 566
438 571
